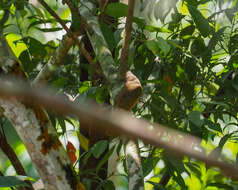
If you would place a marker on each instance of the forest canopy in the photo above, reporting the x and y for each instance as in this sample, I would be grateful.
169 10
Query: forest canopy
109 94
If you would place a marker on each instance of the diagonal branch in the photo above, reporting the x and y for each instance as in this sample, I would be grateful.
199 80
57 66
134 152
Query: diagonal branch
178 143
9 152
76 12
55 61
70 33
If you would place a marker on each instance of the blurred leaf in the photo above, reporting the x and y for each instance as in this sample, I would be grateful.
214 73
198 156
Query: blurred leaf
213 126
157 186
26 62
198 47
233 43
49 29
119 146
108 185
141 23
164 45
220 186
194 168
224 139
151 28
35 47
99 148
156 45
84 142
108 35
40 21
196 118
163 8
116 10
200 21
13 181
104 159
62 124
148 164
187 30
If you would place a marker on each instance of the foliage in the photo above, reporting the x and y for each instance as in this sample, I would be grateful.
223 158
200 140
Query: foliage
186 59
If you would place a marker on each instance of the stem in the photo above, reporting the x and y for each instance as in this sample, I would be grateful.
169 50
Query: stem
126 39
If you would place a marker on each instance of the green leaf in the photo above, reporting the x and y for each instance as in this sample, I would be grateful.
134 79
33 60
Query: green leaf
213 126
159 44
224 139
198 47
157 186
49 29
196 118
84 88
116 10
99 148
200 21
35 47
108 185
62 124
140 22
220 186
28 66
151 28
187 30
216 37
61 82
164 46
104 159
108 35
40 21
12 181
153 46
148 164
194 168
119 146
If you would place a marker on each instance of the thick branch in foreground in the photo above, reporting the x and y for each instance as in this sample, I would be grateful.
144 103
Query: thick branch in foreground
41 141
123 123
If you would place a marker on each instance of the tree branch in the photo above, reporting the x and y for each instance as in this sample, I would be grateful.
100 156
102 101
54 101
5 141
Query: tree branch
70 33
126 39
55 61
126 99
76 12
118 121
7 149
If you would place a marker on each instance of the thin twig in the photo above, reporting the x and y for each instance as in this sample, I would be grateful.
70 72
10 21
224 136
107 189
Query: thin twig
126 39
105 5
76 12
69 32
